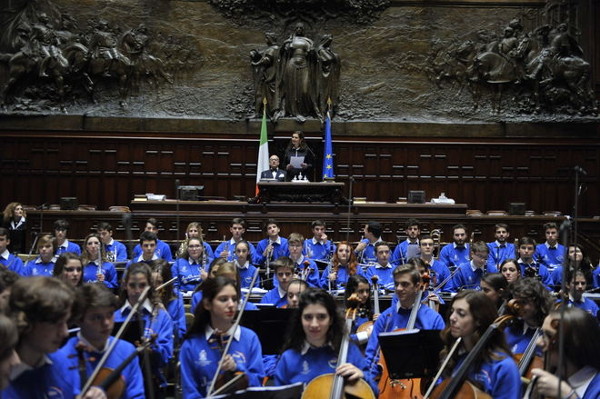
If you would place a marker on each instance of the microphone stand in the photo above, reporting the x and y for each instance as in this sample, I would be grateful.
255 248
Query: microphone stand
177 208
349 208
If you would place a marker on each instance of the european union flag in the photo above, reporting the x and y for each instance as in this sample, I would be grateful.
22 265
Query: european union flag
328 151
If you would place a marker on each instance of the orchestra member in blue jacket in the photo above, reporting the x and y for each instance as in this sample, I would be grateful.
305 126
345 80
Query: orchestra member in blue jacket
213 326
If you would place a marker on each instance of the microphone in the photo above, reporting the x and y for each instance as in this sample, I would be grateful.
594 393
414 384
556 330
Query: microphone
42 207
579 169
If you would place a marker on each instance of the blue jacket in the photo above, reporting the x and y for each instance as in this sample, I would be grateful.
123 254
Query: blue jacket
312 362
498 378
200 357
230 247
36 267
549 257
176 310
451 255
118 251
108 269
69 247
13 263
188 274
162 251
318 250
392 319
272 296
279 249
386 279
466 278
132 374
500 252
400 254
340 281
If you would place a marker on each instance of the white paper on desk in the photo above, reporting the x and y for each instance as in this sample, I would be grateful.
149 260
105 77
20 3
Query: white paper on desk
296 162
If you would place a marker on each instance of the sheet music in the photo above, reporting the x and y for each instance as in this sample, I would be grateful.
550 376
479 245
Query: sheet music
296 161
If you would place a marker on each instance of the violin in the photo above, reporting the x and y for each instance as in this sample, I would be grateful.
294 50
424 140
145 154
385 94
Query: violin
458 387
367 326
231 381
334 383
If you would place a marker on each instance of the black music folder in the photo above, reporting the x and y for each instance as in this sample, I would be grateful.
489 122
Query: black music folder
132 332
292 391
422 347
270 324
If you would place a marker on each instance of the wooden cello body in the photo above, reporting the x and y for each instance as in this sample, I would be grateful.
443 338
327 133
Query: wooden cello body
335 384
404 388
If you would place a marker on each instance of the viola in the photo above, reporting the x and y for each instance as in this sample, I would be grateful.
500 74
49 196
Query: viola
334 383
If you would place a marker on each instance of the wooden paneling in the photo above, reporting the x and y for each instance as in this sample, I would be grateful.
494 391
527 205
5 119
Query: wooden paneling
486 174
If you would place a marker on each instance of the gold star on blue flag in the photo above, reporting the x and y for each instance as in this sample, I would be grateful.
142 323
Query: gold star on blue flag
328 151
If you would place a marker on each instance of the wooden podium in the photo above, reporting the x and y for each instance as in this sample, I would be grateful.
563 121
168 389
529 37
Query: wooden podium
302 191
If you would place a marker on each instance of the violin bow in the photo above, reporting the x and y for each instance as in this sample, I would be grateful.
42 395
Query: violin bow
114 342
235 325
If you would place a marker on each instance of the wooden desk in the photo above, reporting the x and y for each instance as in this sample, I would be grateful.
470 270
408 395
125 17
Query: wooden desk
271 191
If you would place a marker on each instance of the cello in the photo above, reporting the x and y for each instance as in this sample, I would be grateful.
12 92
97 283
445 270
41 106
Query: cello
335 383
405 388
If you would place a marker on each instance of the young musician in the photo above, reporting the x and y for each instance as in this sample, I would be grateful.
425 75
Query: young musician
227 248
510 270
534 303
8 260
295 289
581 363
43 265
162 249
69 269
95 307
273 246
97 268
360 286
456 253
365 250
190 269
61 227
306 269
494 371
319 247
410 247
194 230
148 241
9 358
170 297
468 275
438 271
494 286
42 307
243 262
283 268
114 250
313 343
342 266
213 325
576 260
528 265
407 282
550 254
382 268
501 249
152 317
576 286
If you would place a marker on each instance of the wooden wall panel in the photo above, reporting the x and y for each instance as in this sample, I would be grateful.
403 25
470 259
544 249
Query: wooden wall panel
486 174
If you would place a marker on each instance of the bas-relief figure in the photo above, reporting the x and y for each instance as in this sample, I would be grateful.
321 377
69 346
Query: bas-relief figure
544 69
50 56
298 78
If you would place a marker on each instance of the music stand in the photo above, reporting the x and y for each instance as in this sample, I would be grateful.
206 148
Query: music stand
292 391
270 324
422 347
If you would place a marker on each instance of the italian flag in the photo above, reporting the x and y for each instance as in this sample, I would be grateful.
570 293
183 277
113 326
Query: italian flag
263 149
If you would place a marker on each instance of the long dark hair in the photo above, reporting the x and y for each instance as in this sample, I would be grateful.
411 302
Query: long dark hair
315 296
532 289
62 261
303 145
163 268
210 289
484 313
136 268
352 261
352 286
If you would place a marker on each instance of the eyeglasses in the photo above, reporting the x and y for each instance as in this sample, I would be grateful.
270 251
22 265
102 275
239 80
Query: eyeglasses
194 246
73 269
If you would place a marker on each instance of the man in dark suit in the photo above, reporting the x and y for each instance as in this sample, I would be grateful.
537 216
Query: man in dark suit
273 172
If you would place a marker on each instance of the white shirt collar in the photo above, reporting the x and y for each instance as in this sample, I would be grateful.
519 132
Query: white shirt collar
306 346
14 225
277 241
582 379
112 241
5 254
38 260
244 266
315 241
141 257
281 292
300 260
65 244
548 245
380 266
89 345
146 306
473 267
522 262
236 335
